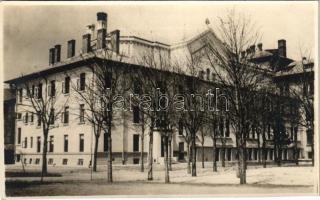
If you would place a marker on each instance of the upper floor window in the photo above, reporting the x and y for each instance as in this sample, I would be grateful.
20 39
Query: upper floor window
66 85
135 142
51 145
82 82
66 143
20 94
81 116
51 116
25 142
38 119
81 142
19 136
38 144
180 127
39 91
65 115
136 114
52 88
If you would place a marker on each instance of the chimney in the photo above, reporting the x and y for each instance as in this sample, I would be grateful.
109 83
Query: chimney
282 49
102 20
260 46
86 43
71 48
91 29
101 38
51 56
57 54
101 30
253 49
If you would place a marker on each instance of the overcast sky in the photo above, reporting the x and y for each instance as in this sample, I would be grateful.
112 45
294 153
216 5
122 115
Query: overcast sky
29 31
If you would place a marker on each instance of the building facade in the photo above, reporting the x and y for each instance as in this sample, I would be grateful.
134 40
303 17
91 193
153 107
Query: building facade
71 137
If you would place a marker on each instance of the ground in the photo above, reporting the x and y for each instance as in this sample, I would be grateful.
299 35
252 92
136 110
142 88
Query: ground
128 180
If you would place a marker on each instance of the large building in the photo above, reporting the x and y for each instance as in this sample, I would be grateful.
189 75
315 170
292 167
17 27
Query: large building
71 139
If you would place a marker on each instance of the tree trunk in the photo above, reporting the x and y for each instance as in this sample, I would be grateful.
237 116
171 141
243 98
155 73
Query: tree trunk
242 166
150 155
214 159
194 156
170 154
202 155
44 153
166 167
95 153
188 158
142 150
264 151
109 179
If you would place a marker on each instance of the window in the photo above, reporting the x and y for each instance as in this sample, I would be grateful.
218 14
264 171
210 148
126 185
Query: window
66 85
25 142
20 93
82 82
19 116
221 127
81 142
66 143
52 116
227 128
136 160
31 117
66 115
105 141
32 90
81 113
31 142
50 161
38 144
39 91
271 154
208 74
51 144
180 127
108 79
135 142
228 154
80 162
136 87
37 161
309 137
19 136
26 116
30 161
18 158
64 161
38 119
136 114
310 155
52 88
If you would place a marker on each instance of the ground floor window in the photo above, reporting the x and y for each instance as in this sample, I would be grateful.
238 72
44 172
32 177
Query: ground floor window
64 161
80 161
310 155
50 161
271 154
18 157
30 161
136 161
229 154
37 161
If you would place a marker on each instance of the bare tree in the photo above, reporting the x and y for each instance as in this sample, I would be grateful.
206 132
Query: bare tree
239 78
43 99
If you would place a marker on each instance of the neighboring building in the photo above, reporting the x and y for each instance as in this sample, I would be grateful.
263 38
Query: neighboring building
9 117
297 79
71 142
